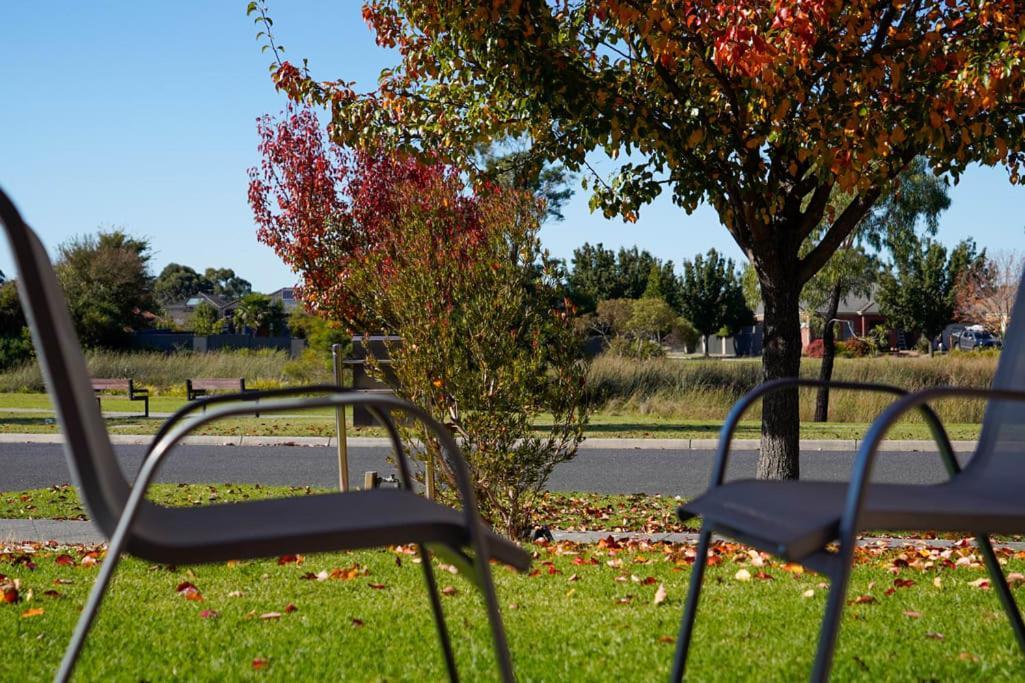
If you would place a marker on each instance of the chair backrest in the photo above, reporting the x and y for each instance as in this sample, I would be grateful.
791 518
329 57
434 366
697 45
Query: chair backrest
91 459
1000 457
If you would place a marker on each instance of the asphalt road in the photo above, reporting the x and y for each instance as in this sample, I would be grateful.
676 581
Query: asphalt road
683 473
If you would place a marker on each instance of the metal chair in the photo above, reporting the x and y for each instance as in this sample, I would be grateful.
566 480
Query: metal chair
267 528
799 520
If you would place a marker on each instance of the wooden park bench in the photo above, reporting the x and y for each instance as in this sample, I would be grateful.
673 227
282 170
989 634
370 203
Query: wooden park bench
122 385
200 387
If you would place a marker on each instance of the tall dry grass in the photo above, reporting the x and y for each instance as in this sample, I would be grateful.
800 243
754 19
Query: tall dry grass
166 373
706 389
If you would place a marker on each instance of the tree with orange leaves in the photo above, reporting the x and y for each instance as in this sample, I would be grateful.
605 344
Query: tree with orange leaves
764 110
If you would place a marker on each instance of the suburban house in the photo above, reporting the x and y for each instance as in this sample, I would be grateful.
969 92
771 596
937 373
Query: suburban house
857 315
180 313
286 295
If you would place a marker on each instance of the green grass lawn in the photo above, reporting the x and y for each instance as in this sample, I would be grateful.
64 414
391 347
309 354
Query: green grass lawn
586 613
568 511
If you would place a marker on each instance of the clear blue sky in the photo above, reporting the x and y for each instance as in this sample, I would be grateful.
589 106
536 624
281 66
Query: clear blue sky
142 115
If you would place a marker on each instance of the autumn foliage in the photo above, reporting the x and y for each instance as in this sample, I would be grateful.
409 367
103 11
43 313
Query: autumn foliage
396 245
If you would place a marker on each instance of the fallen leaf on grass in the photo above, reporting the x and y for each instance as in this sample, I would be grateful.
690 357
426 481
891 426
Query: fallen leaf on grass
357 623
573 577
188 590
933 635
1015 578
980 583
377 586
863 600
51 593
903 583
235 594
808 593
449 590
625 600
348 573
10 594
260 664
937 582
270 615
742 575
34 612
209 614
968 657
64 561
911 614
290 607
62 582
793 568
291 559
668 640
660 594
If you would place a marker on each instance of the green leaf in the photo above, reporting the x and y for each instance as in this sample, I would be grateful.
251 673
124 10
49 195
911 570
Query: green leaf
250 8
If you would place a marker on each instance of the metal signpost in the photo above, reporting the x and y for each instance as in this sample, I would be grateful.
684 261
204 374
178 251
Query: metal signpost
343 446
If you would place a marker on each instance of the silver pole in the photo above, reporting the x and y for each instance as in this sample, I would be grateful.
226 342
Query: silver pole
340 436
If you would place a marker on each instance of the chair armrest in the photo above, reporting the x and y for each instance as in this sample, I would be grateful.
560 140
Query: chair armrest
248 395
380 404
772 386
863 463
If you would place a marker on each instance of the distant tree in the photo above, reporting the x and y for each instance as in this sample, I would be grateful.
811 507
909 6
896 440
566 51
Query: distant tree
613 316
917 291
206 320
261 314
652 319
712 296
177 283
986 294
12 318
107 284
634 267
224 283
593 277
520 169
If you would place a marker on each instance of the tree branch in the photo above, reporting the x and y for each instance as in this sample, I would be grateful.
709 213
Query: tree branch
837 233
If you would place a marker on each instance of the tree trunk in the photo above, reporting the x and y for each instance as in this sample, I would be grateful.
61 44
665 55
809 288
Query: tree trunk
781 357
828 354
704 345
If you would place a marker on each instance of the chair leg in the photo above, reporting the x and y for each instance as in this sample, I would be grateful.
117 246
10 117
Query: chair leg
831 619
1003 590
697 575
501 645
92 606
439 615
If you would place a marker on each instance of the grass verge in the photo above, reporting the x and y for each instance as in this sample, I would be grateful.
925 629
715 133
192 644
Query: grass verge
583 613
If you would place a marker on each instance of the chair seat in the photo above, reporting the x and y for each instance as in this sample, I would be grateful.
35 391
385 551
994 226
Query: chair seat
304 524
794 519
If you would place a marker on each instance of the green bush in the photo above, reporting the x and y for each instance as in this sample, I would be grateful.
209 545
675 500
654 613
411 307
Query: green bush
856 348
637 349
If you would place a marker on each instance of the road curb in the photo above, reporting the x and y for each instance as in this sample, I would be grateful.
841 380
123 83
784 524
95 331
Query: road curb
649 444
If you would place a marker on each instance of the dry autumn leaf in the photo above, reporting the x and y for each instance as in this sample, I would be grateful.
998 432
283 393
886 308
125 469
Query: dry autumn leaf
980 583
34 612
742 575
911 614
377 586
449 590
660 594
863 600
356 623
64 560
668 640
270 615
259 664
933 635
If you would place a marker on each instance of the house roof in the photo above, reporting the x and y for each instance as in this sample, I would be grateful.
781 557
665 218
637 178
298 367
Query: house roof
218 302
856 305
